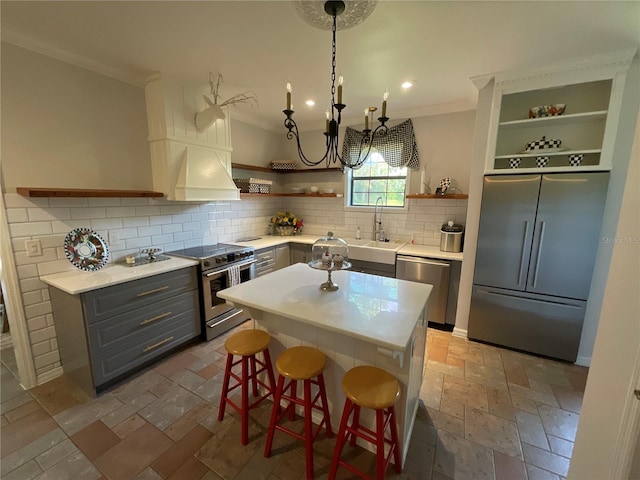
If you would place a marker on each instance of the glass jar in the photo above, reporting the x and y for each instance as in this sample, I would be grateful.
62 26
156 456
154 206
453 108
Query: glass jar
329 253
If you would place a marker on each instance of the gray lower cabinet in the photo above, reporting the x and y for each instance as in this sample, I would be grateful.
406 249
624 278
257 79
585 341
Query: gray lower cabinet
106 333
299 253
271 259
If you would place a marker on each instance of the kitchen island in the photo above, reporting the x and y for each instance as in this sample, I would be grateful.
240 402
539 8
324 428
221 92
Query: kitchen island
369 320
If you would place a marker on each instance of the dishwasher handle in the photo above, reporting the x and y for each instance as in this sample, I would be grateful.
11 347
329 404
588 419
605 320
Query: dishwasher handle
426 261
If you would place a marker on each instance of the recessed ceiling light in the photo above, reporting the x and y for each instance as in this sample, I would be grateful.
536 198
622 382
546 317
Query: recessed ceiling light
311 103
406 85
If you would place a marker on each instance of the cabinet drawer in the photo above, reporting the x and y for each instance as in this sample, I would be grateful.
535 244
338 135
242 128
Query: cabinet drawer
143 322
114 362
110 301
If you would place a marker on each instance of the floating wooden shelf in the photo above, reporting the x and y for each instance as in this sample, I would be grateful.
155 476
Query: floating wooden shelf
83 192
242 166
258 195
456 196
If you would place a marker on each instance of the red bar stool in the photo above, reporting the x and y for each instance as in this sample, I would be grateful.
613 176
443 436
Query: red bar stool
300 363
246 344
369 387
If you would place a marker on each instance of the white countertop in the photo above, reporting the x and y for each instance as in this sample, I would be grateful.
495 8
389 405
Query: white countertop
404 249
379 310
429 252
78 281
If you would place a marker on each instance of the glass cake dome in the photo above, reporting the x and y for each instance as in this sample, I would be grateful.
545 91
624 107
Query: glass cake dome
329 253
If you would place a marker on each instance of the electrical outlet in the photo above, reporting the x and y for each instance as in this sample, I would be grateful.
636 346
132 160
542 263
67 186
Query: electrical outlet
34 248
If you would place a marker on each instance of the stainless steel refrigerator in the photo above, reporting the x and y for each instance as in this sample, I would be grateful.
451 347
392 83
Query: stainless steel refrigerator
537 244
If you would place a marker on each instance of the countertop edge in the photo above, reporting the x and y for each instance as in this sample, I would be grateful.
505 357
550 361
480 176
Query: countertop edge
75 282
426 251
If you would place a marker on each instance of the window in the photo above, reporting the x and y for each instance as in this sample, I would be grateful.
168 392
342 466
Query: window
376 178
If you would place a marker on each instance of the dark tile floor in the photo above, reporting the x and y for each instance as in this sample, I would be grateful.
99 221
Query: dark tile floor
485 413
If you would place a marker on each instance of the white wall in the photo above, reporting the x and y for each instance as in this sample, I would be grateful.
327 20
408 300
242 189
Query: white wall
610 416
64 126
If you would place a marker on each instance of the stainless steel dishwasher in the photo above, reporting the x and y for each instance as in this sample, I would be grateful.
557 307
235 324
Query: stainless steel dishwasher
430 271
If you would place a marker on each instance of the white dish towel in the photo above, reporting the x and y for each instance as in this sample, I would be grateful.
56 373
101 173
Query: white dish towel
234 275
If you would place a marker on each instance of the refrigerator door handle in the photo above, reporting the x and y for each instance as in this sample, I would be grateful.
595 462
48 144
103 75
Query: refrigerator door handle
535 271
522 253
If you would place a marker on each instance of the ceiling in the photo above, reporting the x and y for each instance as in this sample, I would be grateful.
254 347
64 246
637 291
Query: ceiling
260 45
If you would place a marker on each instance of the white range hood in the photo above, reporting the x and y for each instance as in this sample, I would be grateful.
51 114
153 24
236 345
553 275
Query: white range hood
187 164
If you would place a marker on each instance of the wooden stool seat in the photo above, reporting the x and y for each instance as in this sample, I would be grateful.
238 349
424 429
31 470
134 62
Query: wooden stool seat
374 388
247 342
300 363
304 364
371 387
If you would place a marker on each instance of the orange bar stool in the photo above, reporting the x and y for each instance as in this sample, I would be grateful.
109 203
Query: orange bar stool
369 387
305 364
246 344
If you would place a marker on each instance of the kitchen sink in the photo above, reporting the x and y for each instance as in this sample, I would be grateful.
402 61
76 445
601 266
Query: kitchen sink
373 251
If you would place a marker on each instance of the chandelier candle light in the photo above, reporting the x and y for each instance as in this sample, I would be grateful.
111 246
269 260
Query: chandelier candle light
334 116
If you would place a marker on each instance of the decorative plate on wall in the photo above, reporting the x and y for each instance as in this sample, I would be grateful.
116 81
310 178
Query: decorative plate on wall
85 249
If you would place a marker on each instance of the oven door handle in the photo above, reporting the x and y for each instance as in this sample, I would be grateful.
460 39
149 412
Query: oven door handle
224 270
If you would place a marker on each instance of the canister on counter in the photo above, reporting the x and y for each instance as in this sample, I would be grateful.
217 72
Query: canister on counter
451 237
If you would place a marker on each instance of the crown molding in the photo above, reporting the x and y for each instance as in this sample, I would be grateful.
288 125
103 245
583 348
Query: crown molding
15 37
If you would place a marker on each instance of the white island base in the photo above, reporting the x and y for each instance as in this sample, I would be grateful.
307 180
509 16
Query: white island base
370 320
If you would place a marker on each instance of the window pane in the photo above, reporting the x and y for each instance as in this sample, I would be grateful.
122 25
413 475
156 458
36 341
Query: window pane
360 199
372 181
360 186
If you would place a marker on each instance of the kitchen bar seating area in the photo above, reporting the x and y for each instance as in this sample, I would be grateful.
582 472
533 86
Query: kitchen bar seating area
484 412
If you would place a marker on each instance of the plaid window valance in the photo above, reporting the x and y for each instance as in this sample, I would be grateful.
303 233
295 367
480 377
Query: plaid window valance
397 145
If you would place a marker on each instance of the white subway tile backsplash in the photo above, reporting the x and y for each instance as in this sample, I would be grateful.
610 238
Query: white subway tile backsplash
68 202
106 224
135 222
42 335
181 218
120 212
149 231
48 214
170 210
191 226
32 311
104 202
159 240
15 215
32 298
41 348
48 255
160 219
48 268
88 213
171 228
68 225
134 201
31 284
140 242
14 200
181 236
147 211
30 229
48 359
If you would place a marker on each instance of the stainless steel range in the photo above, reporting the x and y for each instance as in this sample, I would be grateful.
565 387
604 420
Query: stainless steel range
221 266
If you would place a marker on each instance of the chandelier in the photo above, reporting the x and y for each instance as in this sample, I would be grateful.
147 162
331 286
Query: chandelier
334 117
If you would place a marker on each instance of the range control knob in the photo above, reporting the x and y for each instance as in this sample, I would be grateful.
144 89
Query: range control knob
206 263
218 260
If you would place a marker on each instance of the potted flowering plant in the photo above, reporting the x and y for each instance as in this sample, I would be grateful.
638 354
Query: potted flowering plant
286 223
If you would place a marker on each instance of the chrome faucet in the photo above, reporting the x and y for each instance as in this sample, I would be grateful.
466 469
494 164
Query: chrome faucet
378 232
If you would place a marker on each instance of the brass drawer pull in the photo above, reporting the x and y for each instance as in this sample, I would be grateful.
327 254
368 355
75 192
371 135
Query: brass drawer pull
153 319
156 345
156 290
